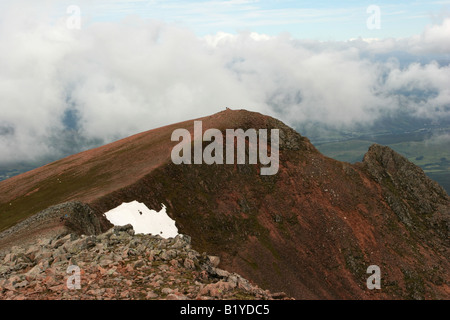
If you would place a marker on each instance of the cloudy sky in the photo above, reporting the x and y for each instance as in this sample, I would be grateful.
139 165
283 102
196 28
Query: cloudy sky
81 73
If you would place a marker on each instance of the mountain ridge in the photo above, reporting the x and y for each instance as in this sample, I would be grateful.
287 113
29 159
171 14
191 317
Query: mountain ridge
311 230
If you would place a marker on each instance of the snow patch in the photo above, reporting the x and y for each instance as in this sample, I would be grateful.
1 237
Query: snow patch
143 219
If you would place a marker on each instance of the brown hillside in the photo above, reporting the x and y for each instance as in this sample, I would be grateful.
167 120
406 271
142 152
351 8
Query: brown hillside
311 230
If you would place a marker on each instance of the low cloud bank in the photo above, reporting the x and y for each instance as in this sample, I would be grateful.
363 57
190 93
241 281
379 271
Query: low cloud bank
64 90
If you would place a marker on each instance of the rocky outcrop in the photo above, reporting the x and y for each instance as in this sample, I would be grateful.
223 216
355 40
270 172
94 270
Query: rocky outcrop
119 265
417 200
68 217
78 217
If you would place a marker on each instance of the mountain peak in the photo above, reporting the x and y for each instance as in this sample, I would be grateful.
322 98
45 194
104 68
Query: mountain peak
310 230
397 173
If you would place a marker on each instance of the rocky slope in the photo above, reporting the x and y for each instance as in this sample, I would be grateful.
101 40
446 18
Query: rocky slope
74 217
311 230
119 265
418 201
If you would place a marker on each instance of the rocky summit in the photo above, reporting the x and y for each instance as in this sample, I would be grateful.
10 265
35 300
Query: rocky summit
118 264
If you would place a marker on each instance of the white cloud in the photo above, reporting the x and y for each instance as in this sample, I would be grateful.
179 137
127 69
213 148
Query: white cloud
442 139
116 79
435 38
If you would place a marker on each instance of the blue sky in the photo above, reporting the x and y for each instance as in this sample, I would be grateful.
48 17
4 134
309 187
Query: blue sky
319 20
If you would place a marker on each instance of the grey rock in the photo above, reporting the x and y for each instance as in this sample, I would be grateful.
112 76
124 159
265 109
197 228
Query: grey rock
151 295
166 291
126 228
7 258
189 264
20 266
181 241
4 269
59 242
138 264
168 254
132 252
221 273
279 295
33 272
215 260
21 284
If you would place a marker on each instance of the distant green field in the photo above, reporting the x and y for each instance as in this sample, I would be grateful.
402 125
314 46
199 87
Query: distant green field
432 157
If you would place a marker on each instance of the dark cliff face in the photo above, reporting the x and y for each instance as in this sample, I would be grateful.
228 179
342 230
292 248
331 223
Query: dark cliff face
311 230
80 219
418 201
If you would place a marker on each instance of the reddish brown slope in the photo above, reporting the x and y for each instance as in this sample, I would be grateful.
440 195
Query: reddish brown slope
311 230
88 175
